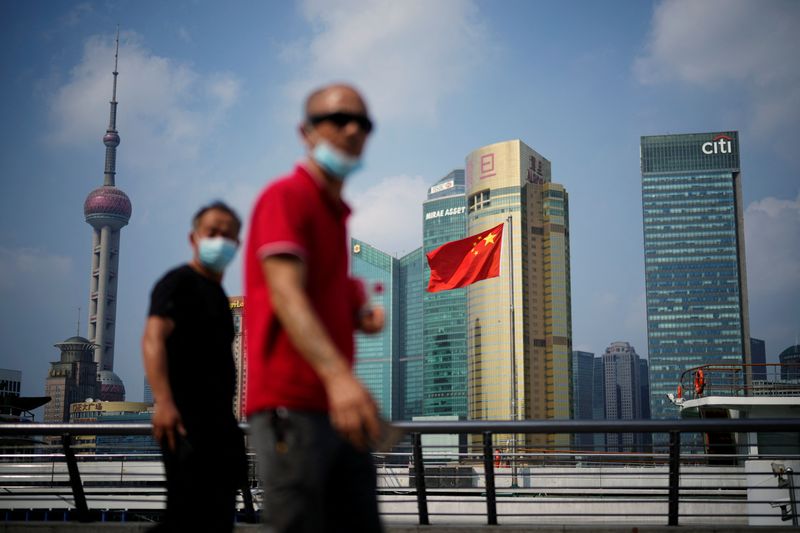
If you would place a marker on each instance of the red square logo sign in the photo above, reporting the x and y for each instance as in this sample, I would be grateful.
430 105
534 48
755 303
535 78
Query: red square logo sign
487 166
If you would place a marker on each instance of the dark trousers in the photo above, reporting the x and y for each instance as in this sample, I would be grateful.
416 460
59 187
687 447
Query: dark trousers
202 480
314 481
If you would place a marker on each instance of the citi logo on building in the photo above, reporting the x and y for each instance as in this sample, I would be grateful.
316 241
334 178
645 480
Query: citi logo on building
720 145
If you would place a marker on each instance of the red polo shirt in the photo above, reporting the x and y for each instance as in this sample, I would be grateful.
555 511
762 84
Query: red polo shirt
295 215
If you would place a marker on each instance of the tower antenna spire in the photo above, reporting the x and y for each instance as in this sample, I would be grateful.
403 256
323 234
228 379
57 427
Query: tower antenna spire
79 322
111 138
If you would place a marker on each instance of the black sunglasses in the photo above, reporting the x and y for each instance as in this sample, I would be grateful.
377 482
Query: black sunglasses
342 119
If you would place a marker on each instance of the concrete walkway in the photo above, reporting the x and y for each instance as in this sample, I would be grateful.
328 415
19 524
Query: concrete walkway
139 527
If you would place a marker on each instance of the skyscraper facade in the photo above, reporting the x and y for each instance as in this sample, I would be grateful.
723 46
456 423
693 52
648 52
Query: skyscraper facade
239 350
375 363
444 333
582 388
511 179
409 385
107 209
622 392
73 378
696 289
758 358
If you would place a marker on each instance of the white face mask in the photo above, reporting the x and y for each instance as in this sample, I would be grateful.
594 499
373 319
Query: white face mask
215 253
333 161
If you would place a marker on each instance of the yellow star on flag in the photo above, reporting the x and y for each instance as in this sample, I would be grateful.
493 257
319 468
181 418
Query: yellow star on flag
489 239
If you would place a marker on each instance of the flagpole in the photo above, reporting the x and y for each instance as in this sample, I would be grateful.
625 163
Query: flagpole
513 349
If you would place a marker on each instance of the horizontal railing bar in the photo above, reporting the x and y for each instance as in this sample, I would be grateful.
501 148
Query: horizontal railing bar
468 426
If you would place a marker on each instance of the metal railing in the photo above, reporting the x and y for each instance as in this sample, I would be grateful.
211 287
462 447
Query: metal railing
470 478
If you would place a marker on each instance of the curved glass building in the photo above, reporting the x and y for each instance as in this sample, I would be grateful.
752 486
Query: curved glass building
511 179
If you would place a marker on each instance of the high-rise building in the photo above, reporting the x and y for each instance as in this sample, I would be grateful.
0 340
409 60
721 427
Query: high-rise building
410 288
599 402
71 379
623 394
444 334
790 363
239 350
10 383
582 392
694 258
107 209
520 370
375 354
758 358
147 396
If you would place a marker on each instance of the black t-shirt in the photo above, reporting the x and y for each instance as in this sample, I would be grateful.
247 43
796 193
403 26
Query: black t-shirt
200 363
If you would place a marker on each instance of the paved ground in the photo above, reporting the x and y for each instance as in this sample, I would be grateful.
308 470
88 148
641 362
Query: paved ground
52 527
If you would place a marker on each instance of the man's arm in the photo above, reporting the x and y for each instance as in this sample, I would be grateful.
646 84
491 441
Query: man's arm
166 418
352 410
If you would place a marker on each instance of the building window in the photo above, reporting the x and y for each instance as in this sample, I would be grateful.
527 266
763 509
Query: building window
479 200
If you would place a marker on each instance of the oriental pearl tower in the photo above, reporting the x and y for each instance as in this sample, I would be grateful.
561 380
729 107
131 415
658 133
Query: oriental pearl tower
107 209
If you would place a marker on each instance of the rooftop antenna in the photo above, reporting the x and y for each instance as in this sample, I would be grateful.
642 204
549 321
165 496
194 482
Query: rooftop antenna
78 330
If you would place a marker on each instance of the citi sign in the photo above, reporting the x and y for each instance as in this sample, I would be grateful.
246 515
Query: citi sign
720 145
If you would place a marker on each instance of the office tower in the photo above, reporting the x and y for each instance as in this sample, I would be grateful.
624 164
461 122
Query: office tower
410 288
445 313
520 370
694 258
239 350
758 358
147 396
644 398
375 364
71 379
598 402
790 363
107 209
10 383
622 391
582 392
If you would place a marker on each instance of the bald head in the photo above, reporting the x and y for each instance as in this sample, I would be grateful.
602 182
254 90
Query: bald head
335 98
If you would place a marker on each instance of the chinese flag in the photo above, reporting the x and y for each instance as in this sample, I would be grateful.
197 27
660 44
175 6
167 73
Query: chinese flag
461 263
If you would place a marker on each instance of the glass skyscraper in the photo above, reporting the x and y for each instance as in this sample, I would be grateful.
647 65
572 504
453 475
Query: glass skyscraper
375 362
582 387
445 313
410 323
694 258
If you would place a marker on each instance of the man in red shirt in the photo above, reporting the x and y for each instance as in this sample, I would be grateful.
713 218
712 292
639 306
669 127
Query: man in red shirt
311 419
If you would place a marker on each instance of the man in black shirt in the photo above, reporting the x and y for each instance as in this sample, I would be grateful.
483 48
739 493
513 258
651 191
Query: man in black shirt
188 360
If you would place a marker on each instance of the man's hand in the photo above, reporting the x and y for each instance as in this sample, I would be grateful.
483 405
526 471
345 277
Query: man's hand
352 410
372 319
166 423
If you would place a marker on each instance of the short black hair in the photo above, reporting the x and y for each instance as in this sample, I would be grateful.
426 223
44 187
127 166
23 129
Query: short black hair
219 205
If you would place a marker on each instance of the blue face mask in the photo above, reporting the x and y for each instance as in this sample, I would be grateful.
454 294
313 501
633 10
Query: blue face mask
215 253
334 162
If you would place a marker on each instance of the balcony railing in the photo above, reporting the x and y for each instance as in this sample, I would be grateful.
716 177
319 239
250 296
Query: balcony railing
472 472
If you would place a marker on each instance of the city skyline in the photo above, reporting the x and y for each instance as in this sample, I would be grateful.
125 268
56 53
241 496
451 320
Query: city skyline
211 100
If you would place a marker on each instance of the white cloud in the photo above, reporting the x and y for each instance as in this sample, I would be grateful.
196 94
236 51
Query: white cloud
167 109
714 43
772 242
388 215
407 56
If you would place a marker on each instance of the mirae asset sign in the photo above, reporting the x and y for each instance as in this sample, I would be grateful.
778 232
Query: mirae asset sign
445 212
721 144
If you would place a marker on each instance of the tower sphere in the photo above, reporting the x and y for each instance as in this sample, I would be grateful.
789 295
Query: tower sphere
111 139
107 205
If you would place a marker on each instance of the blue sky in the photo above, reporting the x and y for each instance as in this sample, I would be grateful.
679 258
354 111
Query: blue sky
210 96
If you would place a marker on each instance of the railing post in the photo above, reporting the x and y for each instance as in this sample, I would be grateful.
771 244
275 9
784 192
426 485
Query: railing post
75 479
249 508
488 470
674 476
419 476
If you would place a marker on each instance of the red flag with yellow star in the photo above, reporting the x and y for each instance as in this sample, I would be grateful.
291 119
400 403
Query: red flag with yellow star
461 263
